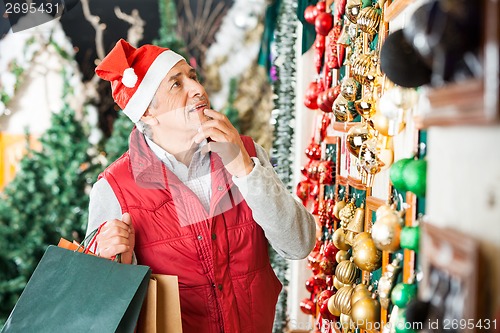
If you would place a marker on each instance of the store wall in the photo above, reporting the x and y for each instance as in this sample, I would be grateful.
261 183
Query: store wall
463 192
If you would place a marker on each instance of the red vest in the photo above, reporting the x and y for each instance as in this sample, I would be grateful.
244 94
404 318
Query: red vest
226 282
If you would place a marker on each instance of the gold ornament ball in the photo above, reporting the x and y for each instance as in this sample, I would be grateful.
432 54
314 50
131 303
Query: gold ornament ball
337 284
356 136
338 207
360 291
346 272
341 256
366 313
331 307
339 240
386 233
343 299
366 255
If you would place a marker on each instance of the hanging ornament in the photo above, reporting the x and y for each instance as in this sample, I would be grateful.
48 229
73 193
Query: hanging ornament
368 20
325 122
327 266
382 124
363 68
322 301
402 293
303 191
341 110
361 291
365 106
385 151
415 176
310 14
339 9
319 52
386 232
338 239
308 307
366 312
331 307
331 41
410 238
311 97
356 136
349 89
346 214
337 284
352 10
338 207
323 23
365 254
387 281
369 160
343 299
346 272
396 174
356 225
324 103
313 151
342 255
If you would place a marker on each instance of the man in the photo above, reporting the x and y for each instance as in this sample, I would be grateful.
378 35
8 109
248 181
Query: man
193 198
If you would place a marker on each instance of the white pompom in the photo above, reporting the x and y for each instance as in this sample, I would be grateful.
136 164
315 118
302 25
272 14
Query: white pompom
129 79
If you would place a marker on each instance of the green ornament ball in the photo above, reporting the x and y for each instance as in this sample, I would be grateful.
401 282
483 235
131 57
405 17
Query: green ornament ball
410 238
402 293
396 174
401 325
415 176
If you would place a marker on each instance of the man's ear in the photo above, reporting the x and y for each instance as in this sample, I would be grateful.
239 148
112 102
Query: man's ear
149 118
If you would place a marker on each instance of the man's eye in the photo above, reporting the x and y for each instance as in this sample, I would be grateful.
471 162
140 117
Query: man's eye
194 78
175 84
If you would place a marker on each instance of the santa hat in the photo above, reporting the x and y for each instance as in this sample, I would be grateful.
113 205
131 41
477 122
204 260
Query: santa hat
135 74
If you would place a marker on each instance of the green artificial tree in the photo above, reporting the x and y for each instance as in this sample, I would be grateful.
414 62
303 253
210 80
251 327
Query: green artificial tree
46 200
117 143
168 36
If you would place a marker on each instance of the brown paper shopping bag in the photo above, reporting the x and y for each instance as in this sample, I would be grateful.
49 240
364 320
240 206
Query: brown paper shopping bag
161 310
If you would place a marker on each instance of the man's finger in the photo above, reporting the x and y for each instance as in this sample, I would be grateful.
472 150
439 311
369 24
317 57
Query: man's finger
214 114
214 133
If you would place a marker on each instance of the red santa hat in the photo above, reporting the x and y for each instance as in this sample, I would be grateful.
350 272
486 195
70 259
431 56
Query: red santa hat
135 74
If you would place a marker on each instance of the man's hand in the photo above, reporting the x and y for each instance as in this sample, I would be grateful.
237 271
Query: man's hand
117 236
226 143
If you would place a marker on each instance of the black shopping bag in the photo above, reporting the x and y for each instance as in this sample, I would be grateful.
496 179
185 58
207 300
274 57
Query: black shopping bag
74 292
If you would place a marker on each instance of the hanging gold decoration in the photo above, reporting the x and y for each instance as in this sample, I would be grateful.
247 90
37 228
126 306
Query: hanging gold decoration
356 136
363 68
387 281
331 307
386 232
346 272
353 9
368 20
338 207
356 225
366 312
338 240
343 299
341 109
342 255
365 254
349 89
337 284
361 291
346 214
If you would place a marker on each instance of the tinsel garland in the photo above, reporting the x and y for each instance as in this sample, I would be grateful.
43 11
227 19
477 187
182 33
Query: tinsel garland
282 118
284 87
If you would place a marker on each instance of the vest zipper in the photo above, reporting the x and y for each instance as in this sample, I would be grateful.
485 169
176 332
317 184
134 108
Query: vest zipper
219 310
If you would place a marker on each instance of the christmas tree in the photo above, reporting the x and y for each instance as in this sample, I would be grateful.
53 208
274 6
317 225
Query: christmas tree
168 28
46 200
117 143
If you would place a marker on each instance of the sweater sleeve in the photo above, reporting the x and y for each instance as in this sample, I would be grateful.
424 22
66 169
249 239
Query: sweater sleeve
289 227
103 205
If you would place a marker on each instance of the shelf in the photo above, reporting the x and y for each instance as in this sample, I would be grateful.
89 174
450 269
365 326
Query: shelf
394 8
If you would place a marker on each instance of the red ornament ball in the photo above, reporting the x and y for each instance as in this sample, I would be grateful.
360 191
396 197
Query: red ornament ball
323 23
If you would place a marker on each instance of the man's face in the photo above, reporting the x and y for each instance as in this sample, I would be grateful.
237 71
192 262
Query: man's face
180 101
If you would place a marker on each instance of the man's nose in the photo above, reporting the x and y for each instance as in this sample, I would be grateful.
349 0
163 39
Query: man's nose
195 88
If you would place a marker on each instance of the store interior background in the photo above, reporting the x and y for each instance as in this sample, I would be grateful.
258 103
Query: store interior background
463 177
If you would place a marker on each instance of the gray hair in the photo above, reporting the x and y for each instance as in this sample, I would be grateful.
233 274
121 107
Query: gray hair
142 126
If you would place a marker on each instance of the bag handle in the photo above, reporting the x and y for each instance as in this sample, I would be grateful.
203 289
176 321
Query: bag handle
92 239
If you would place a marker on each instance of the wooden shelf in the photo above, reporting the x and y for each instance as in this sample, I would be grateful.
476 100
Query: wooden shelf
394 8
